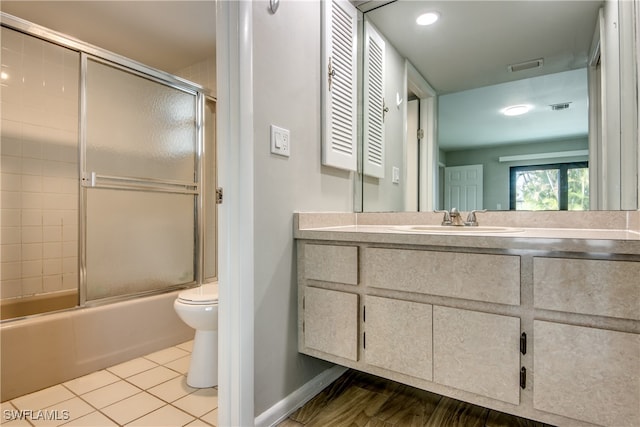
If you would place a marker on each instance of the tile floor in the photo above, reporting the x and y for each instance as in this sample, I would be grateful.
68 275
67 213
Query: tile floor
147 391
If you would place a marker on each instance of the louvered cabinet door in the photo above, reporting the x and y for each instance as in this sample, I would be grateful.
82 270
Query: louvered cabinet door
373 103
339 85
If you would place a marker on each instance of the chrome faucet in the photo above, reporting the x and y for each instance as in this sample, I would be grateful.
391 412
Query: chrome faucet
453 218
471 218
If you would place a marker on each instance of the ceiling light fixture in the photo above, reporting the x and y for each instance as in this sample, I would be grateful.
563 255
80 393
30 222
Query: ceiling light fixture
427 18
516 110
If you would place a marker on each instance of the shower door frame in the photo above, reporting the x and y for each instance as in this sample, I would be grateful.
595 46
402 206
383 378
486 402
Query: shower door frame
197 187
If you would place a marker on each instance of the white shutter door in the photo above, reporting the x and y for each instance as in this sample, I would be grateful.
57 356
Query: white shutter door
339 148
373 102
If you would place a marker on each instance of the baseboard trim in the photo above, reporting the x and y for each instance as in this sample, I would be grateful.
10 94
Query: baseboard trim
282 409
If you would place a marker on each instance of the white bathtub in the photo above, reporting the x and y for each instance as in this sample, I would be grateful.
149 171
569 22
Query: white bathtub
39 352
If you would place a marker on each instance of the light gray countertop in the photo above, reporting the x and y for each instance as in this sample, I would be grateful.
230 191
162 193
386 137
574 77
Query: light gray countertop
602 241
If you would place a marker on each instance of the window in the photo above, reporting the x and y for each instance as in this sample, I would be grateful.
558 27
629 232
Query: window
559 186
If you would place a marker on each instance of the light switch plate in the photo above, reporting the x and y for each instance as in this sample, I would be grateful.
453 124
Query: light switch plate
280 141
395 175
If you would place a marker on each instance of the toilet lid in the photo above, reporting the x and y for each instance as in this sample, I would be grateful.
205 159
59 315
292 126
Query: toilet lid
204 294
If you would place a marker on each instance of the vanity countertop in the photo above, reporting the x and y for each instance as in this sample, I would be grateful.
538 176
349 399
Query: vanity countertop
591 240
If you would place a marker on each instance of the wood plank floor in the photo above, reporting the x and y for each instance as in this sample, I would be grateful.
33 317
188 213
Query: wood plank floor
364 400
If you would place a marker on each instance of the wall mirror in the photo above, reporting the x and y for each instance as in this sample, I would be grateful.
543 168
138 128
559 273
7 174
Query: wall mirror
448 138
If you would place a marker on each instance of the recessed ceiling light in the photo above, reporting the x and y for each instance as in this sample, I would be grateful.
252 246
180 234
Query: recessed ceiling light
516 110
427 18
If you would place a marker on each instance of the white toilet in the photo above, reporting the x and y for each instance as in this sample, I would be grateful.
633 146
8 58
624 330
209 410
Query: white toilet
198 308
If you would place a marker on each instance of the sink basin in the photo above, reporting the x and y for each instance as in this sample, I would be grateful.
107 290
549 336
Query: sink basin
448 229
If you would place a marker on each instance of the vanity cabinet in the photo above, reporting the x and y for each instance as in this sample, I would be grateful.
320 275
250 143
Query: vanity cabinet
331 322
552 336
477 352
398 336
473 276
587 286
587 374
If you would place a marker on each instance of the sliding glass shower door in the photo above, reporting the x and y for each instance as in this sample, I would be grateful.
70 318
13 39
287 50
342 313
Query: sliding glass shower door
140 180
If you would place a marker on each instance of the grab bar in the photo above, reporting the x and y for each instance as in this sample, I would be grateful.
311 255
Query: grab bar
94 180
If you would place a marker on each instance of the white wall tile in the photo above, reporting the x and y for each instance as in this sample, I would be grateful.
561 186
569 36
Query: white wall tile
51 233
32 286
32 268
10 289
51 266
11 235
11 253
11 164
32 183
31 251
52 283
31 217
39 166
11 270
11 218
52 250
31 234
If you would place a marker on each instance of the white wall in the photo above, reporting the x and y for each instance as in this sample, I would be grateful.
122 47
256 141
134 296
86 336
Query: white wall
286 77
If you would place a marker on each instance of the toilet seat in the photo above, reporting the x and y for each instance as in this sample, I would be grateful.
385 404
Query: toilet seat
201 295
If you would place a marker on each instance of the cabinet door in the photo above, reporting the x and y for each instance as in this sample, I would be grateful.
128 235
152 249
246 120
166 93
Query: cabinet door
339 84
586 373
477 352
331 322
399 336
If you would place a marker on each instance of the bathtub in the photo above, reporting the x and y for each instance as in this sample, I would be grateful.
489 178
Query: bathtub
45 350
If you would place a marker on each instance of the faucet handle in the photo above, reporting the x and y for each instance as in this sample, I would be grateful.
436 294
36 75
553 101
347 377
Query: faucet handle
471 218
447 218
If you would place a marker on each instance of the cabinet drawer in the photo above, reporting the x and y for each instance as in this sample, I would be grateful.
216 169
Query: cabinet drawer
399 336
331 322
597 287
587 374
330 263
480 277
477 352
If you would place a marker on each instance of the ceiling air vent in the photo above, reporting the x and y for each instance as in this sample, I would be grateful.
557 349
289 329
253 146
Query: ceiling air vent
560 106
527 65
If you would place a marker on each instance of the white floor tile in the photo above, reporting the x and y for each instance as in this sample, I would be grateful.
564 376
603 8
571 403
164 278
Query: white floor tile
146 391
188 346
94 419
180 365
91 382
167 416
132 408
132 367
152 377
211 417
167 355
172 390
198 423
63 412
110 394
16 423
43 398
199 402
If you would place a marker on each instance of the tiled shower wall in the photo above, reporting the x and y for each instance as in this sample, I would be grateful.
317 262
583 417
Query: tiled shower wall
202 73
39 183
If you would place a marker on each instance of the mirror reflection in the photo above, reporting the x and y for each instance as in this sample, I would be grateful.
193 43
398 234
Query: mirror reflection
500 105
